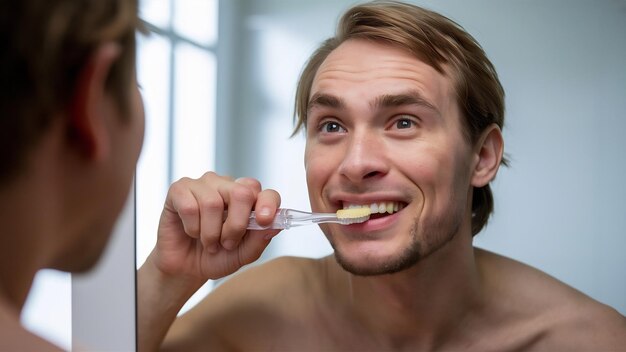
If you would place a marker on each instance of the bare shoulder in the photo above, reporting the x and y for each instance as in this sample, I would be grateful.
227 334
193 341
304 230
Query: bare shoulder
248 306
552 315
262 291
278 278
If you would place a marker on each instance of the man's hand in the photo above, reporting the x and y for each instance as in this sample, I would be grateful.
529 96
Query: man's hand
202 235
202 232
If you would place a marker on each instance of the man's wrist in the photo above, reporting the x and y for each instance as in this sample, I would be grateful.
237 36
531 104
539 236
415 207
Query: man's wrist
172 289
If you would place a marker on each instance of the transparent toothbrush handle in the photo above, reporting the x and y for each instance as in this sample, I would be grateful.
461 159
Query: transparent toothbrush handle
280 221
286 218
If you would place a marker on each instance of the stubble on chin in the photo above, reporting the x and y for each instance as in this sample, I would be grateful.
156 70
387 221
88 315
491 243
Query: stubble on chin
432 239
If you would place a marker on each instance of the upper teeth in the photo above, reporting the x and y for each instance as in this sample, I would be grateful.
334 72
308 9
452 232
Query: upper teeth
380 207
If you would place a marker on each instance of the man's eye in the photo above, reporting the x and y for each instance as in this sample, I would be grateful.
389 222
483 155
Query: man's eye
404 123
331 127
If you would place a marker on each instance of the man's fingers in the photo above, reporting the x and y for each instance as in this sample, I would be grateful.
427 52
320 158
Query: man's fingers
240 200
267 202
217 209
211 209
252 183
182 202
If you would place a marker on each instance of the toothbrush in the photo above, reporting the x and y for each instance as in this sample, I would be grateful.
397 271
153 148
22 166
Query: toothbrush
288 218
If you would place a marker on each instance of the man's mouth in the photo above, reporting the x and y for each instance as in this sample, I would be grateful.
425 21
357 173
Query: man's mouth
378 209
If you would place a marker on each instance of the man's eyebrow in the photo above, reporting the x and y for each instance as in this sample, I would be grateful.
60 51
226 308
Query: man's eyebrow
412 97
409 98
325 100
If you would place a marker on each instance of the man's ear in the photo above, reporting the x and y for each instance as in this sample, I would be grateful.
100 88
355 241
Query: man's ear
88 107
488 154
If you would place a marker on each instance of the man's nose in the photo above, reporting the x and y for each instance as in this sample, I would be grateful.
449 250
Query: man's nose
365 158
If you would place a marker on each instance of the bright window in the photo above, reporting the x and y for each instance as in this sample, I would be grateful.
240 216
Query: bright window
177 72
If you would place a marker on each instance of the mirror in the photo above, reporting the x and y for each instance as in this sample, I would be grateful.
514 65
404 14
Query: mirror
559 207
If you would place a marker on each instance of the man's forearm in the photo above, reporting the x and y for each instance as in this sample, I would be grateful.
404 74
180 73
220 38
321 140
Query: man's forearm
159 299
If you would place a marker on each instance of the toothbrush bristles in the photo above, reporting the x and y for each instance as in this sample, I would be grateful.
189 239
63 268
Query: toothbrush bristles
353 215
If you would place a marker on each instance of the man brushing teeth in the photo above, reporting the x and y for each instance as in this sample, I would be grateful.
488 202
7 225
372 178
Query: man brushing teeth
383 126
403 113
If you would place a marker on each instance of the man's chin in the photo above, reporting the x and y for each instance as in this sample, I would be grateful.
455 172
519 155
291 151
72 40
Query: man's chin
78 261
77 265
373 266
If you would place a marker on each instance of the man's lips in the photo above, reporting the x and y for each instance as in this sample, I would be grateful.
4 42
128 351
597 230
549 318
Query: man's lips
381 205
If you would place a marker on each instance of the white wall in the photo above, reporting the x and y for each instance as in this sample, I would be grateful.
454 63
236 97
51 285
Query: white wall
48 309
559 207
103 299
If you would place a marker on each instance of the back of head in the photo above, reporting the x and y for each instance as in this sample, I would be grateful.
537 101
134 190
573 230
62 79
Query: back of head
438 42
45 44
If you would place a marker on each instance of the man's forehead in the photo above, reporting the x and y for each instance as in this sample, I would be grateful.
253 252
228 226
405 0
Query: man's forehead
381 69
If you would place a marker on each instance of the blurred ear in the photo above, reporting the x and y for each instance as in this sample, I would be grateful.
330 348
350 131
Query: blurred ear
90 104
489 150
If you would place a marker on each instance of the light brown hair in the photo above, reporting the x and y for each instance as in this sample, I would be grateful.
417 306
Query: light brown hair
45 44
439 42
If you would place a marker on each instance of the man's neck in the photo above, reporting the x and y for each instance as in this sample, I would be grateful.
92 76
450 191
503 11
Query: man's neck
27 240
424 303
19 252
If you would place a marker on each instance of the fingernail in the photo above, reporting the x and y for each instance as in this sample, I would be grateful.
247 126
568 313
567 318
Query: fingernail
229 244
265 211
